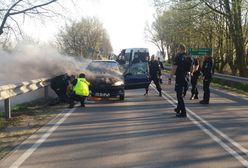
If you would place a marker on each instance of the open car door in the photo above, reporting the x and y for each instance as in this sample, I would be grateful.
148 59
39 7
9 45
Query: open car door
137 76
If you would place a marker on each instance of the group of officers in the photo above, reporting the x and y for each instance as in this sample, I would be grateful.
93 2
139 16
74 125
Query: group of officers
186 70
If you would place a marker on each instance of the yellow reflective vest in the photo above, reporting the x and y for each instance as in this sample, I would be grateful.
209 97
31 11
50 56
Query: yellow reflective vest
82 87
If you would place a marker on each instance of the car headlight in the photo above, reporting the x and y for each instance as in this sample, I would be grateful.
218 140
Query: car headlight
119 83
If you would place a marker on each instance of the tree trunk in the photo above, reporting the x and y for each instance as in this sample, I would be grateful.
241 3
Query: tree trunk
235 27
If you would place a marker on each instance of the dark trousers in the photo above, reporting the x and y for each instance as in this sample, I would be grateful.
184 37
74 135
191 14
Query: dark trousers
156 82
194 90
186 85
75 97
179 88
61 92
206 84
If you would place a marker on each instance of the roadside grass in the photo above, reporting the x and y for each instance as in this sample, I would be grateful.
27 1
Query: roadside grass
234 87
26 119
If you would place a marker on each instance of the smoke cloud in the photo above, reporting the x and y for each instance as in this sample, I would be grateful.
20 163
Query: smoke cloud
29 62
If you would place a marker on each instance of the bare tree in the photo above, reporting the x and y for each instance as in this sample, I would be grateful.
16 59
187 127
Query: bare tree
85 38
9 9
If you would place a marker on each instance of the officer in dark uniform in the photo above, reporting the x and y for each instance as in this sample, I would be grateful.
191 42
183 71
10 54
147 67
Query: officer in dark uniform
136 59
207 76
189 70
162 68
59 85
155 74
194 78
179 69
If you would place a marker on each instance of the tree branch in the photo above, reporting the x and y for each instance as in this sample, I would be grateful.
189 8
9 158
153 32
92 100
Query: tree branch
7 15
34 7
31 10
214 9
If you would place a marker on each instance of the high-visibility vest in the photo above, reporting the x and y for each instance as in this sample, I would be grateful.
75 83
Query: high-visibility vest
82 87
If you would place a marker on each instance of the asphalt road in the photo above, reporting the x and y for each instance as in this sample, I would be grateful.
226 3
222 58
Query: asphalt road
141 132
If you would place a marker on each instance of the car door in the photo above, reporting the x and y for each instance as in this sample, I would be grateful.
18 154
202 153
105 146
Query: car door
137 76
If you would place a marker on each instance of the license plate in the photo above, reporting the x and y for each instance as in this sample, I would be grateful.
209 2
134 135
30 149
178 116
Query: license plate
102 94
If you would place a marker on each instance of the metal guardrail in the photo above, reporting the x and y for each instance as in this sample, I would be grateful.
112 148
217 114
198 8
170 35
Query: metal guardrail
12 90
229 78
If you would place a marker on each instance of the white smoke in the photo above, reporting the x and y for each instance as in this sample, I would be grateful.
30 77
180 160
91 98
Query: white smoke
29 62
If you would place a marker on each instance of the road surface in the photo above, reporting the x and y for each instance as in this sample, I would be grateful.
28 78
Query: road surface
141 132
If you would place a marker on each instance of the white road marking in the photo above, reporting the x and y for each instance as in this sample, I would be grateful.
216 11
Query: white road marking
29 151
235 154
240 147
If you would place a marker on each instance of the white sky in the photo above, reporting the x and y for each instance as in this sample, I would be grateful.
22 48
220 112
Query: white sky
124 21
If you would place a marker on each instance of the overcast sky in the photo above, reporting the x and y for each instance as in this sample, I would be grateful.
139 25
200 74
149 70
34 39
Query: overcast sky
124 20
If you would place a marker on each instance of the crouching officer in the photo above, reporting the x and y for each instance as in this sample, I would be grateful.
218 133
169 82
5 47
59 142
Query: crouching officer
80 88
207 77
59 85
179 69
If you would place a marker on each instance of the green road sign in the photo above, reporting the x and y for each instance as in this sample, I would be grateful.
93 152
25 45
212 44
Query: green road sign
199 51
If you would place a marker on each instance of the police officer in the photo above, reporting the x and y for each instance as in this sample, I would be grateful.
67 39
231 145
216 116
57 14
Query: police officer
162 68
136 59
155 74
80 90
179 69
59 85
189 70
207 76
194 78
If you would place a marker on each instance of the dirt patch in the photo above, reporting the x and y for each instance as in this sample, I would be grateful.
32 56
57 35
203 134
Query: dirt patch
26 119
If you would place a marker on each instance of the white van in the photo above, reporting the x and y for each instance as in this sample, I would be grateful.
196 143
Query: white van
136 69
128 54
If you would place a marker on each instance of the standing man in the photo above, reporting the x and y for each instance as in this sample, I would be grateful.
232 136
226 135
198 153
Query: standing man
155 74
162 68
136 59
207 76
179 69
194 78
80 90
189 70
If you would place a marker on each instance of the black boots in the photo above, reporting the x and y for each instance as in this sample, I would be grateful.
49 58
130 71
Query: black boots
160 93
193 97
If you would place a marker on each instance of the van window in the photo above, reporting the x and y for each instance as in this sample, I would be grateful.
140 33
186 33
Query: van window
138 69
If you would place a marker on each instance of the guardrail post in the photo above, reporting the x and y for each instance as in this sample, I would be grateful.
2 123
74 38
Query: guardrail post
46 91
7 108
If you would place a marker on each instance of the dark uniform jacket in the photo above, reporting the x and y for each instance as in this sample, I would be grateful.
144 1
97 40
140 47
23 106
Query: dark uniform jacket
161 65
188 63
196 73
207 68
154 68
180 62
